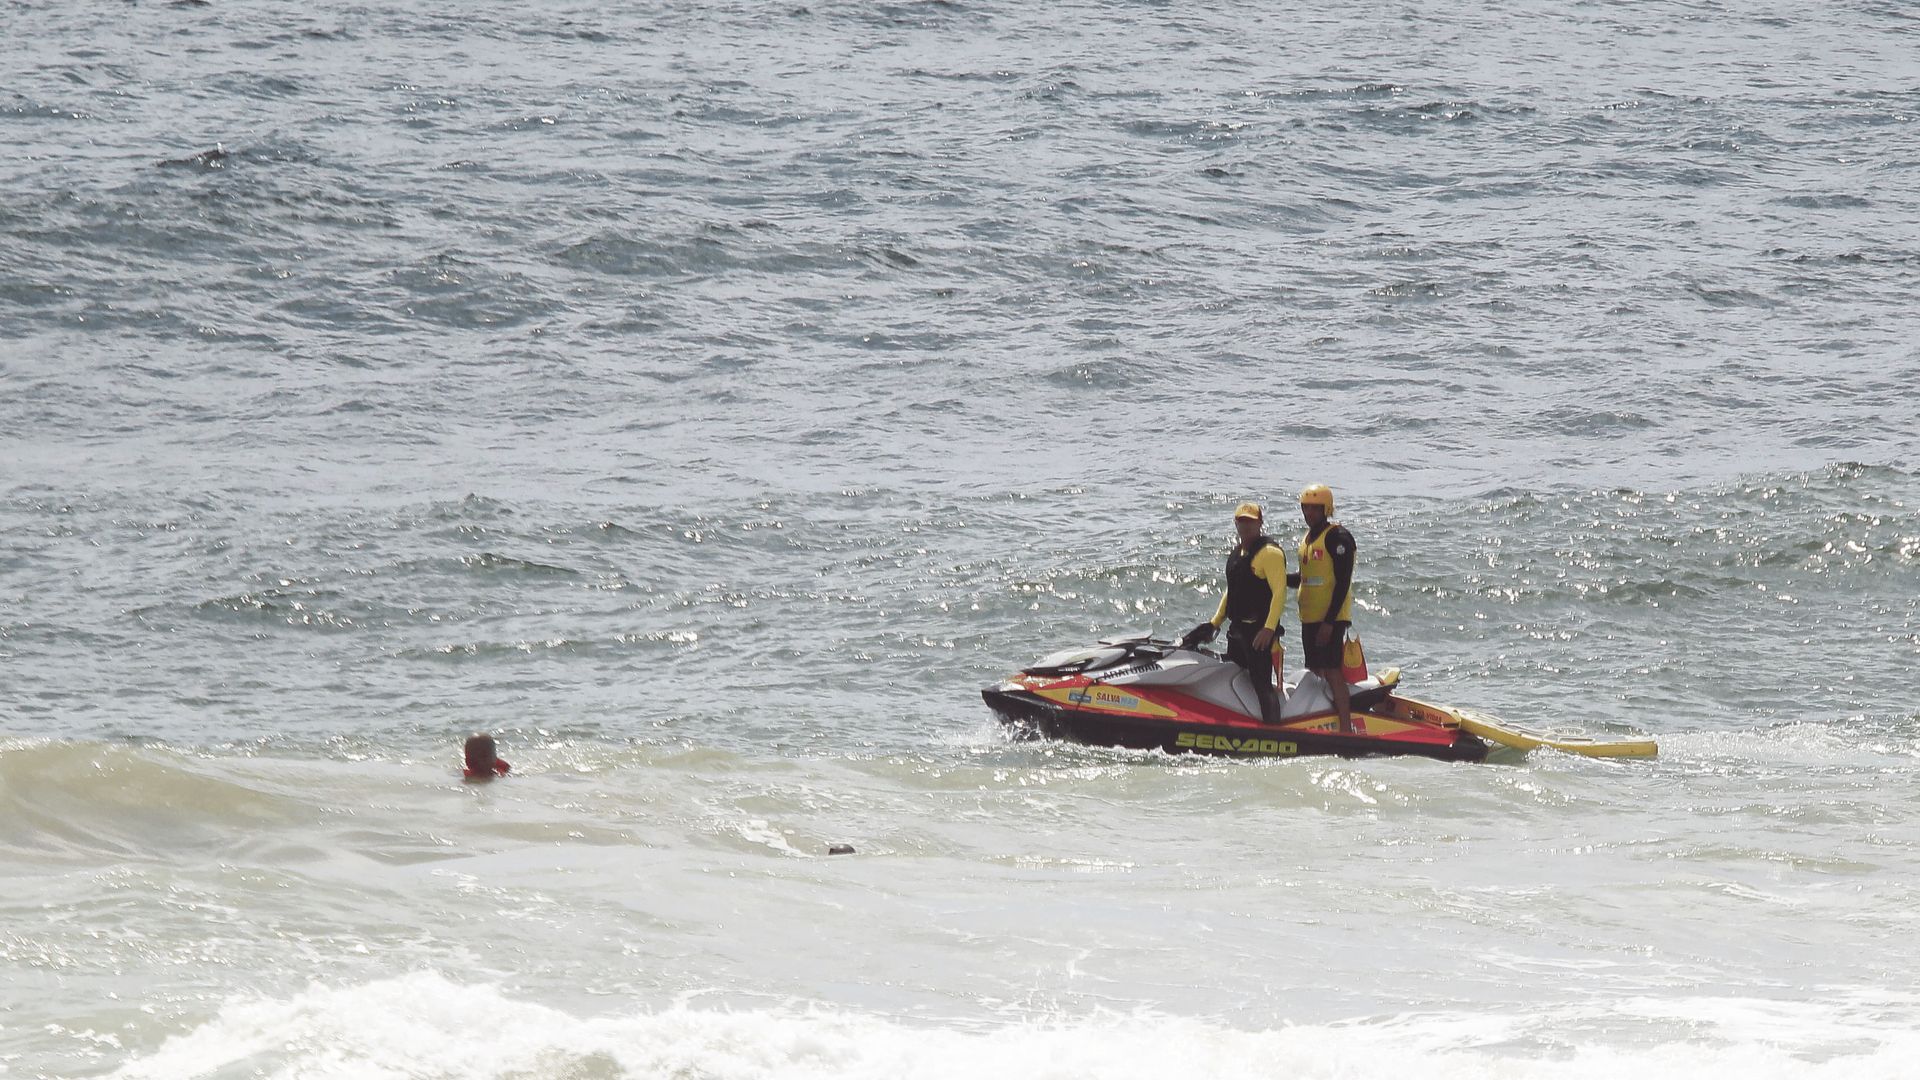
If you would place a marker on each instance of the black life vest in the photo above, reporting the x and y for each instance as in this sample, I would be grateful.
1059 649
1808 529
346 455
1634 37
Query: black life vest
1248 597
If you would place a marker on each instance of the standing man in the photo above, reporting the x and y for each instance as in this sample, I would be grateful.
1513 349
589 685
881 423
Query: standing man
1326 595
1256 597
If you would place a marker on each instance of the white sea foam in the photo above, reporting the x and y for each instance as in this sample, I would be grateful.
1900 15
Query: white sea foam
425 1025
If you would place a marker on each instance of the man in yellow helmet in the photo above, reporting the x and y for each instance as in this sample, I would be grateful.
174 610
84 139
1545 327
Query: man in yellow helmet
1326 595
1255 599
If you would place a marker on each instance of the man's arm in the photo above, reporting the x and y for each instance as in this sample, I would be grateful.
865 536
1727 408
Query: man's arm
1340 547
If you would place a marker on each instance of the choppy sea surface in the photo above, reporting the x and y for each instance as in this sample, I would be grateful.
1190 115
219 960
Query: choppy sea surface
709 398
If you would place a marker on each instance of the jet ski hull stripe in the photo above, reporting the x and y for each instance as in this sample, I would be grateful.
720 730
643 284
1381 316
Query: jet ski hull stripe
1042 717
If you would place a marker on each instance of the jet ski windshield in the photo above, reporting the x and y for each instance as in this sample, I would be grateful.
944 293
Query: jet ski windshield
1072 661
1109 653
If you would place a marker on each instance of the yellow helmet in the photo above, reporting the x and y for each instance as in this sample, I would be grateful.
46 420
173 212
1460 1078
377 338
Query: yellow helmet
1317 495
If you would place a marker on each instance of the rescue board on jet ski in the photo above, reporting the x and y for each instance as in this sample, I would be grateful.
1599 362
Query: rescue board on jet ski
1146 694
1522 740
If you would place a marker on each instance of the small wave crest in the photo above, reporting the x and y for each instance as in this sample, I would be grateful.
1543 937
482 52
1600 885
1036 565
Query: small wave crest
425 1025
76 799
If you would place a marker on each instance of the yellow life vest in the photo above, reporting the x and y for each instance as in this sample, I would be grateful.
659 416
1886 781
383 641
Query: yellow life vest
1316 582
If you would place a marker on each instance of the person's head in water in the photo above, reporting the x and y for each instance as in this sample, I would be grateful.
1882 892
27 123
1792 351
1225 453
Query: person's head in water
483 758
1247 521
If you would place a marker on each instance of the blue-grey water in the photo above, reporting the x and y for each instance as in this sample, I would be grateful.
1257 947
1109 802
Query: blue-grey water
708 398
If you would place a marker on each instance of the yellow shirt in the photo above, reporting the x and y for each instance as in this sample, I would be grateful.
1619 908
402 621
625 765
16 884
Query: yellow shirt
1316 581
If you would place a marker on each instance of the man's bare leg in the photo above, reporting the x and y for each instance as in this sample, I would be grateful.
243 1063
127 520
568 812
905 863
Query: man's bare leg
1342 701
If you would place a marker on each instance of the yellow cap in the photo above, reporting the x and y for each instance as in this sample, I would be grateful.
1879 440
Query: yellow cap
1251 510
1317 495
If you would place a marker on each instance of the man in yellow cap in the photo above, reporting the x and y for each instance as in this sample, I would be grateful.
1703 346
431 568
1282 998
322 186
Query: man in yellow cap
1326 595
1255 598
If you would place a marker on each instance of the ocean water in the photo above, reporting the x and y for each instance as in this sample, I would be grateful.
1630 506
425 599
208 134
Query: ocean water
708 399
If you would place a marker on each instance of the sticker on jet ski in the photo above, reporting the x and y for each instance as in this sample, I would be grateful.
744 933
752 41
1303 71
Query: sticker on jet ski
1189 740
1106 698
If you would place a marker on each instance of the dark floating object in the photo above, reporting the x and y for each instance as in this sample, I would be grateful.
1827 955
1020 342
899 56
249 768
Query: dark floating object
839 849
206 159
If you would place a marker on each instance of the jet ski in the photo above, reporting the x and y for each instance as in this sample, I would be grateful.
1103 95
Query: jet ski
1148 694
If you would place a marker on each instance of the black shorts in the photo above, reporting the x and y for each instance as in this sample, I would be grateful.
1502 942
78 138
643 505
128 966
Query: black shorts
1319 657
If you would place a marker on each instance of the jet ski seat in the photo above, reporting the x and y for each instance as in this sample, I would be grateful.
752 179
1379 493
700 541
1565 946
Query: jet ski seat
1310 695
